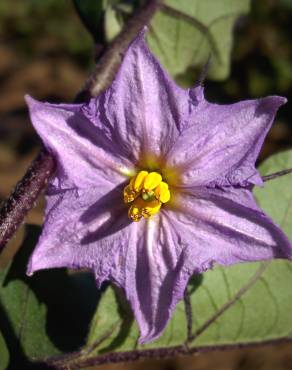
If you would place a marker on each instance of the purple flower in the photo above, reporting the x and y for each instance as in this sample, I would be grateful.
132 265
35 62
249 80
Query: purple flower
153 185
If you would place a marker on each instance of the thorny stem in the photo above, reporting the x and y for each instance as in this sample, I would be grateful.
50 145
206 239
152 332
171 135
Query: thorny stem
189 316
275 175
110 60
157 353
22 199
24 195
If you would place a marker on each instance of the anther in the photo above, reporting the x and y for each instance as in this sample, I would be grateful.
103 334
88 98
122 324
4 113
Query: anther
146 192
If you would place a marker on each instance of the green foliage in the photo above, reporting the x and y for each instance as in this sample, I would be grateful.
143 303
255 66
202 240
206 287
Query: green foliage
262 54
185 34
104 19
4 354
276 196
91 13
45 314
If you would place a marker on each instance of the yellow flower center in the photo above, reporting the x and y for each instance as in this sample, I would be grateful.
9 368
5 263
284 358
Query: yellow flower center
145 193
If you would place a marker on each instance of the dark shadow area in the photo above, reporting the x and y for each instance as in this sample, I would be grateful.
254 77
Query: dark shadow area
111 203
194 283
126 314
17 355
70 300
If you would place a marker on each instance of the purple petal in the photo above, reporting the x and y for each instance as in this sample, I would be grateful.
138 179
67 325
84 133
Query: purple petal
222 143
227 227
80 150
145 120
143 106
83 229
154 270
144 259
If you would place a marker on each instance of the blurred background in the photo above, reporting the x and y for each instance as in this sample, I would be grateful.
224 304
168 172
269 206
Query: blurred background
46 52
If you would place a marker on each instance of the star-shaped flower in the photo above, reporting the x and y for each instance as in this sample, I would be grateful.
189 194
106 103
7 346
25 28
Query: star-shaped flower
153 185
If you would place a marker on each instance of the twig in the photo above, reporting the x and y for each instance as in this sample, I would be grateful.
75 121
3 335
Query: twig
189 314
64 361
24 195
204 72
22 199
157 353
110 60
275 175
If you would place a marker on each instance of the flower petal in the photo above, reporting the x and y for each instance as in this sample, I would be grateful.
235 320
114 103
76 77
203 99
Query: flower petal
221 145
83 230
143 106
80 150
227 227
141 258
154 270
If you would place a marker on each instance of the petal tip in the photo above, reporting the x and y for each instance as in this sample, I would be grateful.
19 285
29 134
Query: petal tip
147 338
32 103
30 271
277 101
283 100
143 31
139 40
29 100
197 94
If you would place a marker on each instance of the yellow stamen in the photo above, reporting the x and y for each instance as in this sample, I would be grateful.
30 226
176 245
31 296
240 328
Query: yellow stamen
150 208
139 180
140 209
135 213
152 180
162 192
147 192
129 194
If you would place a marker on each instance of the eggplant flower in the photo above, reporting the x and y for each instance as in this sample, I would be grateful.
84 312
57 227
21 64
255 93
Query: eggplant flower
153 184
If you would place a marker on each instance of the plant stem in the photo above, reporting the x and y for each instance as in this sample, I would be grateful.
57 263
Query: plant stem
156 353
24 195
275 175
111 58
189 314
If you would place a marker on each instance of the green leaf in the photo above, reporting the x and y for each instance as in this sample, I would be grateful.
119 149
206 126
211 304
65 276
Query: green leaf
91 13
113 23
276 196
45 314
104 19
242 304
184 34
4 354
